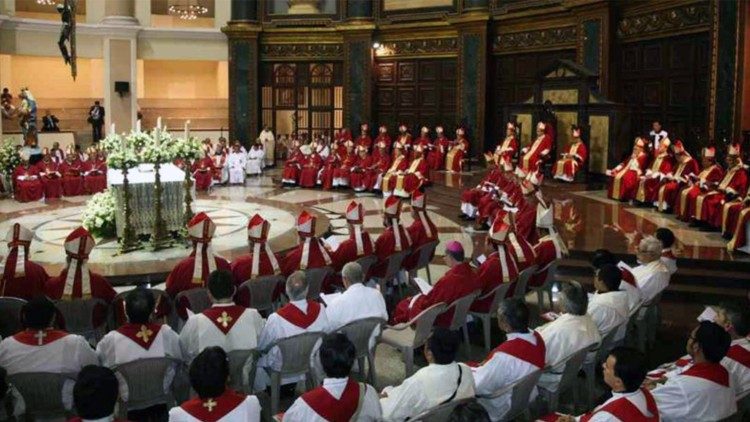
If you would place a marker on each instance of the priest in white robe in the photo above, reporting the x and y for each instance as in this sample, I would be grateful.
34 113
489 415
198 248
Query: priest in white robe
571 332
268 140
356 302
255 157
139 339
608 307
735 318
704 391
652 276
521 354
41 348
298 316
339 398
236 162
224 324
443 380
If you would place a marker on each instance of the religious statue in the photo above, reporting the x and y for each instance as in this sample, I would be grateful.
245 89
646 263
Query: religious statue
27 116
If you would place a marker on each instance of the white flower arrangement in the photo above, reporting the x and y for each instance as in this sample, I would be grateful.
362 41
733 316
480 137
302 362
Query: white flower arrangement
9 157
99 216
138 140
187 149
111 142
159 148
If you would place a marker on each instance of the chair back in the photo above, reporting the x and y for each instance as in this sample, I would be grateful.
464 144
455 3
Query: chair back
366 262
296 351
441 413
161 298
606 344
359 333
523 281
395 264
519 399
261 291
460 308
573 364
240 379
145 380
10 315
197 299
424 322
79 316
42 393
426 252
497 294
315 277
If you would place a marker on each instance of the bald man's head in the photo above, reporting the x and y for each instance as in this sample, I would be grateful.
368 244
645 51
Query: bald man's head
296 286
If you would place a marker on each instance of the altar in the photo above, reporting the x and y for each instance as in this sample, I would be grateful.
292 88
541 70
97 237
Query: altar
142 200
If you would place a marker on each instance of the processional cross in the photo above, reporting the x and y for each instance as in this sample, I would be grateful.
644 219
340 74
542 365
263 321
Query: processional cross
67 11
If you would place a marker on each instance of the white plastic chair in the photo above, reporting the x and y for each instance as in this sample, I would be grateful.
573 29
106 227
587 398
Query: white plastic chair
395 265
441 413
42 393
78 315
589 367
460 308
546 287
242 369
197 299
523 281
145 381
406 338
521 391
295 356
497 294
10 315
567 381
426 252
261 291
315 277
359 333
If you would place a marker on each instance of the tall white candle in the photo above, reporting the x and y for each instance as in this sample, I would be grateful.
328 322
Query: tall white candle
112 128
158 122
187 130
138 126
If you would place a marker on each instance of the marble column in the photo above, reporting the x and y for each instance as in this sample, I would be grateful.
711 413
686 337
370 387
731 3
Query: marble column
724 74
244 99
472 77
359 9
358 75
594 38
120 63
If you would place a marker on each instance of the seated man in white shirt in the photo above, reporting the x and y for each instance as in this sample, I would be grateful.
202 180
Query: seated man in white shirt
442 381
340 398
224 324
652 276
209 373
356 302
139 338
95 394
298 316
41 348
571 332
704 391
624 372
666 237
521 354
735 318
608 307
627 280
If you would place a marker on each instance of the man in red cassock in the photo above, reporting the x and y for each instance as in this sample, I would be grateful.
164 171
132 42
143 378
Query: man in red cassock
573 160
72 179
202 172
383 136
730 214
310 166
22 277
381 163
398 166
395 238
95 172
623 182
454 160
687 168
49 171
550 246
436 157
502 158
499 266
648 184
459 281
414 177
358 244
342 173
364 139
192 272
76 281
708 178
734 184
330 164
421 231
310 252
292 166
739 230
533 155
405 139
260 262
28 183
363 165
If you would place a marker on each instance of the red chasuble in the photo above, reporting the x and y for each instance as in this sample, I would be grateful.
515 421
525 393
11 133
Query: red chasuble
295 315
213 409
224 317
331 409
141 334
523 350
624 410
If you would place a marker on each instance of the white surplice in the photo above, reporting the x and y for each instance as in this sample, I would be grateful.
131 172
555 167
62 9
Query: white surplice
357 302
500 371
116 349
427 388
200 332
269 146
687 398
738 365
247 411
278 328
254 161
610 311
370 411
634 296
562 338
637 398
236 162
67 355
652 279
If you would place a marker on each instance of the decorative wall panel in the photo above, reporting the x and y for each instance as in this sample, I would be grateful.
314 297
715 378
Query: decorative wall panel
541 39
421 48
295 52
688 18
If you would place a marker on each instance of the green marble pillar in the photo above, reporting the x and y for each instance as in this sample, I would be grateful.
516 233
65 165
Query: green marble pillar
475 4
724 55
356 9
472 83
358 63
244 10
244 107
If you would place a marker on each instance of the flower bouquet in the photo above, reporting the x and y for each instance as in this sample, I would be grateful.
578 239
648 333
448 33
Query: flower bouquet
99 215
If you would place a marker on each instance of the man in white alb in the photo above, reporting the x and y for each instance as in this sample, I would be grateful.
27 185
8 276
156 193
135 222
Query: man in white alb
608 307
652 276
735 318
236 162
268 141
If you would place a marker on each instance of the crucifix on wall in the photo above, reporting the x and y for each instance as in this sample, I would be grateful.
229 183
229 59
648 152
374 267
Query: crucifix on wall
67 11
